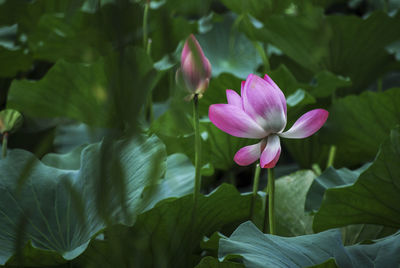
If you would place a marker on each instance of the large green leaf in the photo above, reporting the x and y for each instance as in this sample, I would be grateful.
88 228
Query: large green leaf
13 58
228 50
87 92
330 263
374 198
211 262
53 30
326 83
336 178
69 135
177 182
71 90
210 244
345 45
323 84
257 8
264 250
131 76
175 129
13 61
330 178
195 8
358 124
362 233
167 30
27 14
68 161
382 253
60 210
291 220
171 231
308 151
65 37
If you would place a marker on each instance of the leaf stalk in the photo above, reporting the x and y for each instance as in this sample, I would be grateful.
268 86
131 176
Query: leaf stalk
4 145
256 182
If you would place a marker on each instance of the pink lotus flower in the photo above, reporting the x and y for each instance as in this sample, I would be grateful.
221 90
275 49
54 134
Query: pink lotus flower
195 71
260 113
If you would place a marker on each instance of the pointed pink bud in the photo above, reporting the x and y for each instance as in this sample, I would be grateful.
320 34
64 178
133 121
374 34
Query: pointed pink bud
195 71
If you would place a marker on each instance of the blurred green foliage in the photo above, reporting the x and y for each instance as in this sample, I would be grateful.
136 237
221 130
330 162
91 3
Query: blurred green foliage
90 180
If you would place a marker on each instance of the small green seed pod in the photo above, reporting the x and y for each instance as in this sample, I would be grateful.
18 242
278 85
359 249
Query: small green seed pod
10 121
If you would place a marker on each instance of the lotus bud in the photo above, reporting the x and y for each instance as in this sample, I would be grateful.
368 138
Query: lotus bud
195 71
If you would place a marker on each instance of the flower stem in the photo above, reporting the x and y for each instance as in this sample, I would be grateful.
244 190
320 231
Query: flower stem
147 46
255 189
317 170
331 157
269 203
149 107
263 55
145 16
197 158
4 145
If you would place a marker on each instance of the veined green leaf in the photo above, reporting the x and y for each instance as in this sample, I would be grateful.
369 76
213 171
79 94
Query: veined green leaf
60 210
264 250
374 198
172 231
357 125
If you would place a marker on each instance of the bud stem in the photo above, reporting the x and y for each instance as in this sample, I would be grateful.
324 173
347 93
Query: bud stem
4 145
197 159
197 163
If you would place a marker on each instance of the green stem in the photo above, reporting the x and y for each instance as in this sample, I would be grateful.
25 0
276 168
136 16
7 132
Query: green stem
264 57
331 157
197 158
4 145
317 170
269 203
149 107
255 189
147 47
145 16
197 177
